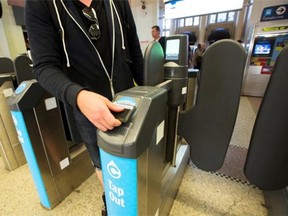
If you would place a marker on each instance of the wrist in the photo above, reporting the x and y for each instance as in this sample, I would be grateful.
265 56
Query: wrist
80 97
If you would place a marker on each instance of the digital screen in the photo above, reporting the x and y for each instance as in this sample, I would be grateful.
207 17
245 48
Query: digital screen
172 49
262 49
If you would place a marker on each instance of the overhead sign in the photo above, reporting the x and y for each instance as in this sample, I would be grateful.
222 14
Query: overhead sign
186 8
278 12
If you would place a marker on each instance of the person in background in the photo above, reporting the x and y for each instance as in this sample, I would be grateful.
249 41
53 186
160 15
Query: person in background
197 56
155 31
85 51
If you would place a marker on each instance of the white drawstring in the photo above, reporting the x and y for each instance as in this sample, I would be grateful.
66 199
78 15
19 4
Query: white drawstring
121 30
113 48
113 41
62 33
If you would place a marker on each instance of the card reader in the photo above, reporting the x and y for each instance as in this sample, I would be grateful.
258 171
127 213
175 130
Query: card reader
125 115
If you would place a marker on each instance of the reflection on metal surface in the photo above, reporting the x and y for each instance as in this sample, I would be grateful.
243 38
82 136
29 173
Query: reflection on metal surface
41 133
50 147
10 147
172 179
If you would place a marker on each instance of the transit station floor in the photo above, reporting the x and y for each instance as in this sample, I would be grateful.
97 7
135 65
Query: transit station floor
223 193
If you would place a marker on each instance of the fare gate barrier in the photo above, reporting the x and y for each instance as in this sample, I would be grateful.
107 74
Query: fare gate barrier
137 149
56 170
142 167
10 147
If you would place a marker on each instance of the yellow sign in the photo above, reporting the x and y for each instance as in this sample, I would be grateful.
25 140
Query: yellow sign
276 28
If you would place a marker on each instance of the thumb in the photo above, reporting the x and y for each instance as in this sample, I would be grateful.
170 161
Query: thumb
114 107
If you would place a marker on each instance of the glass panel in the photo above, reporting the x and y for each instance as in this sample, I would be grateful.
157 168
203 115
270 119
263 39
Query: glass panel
163 23
166 33
212 18
231 16
167 24
196 21
181 23
189 21
222 17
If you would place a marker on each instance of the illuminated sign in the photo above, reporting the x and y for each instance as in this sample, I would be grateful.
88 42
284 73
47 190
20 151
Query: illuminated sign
275 28
278 12
186 8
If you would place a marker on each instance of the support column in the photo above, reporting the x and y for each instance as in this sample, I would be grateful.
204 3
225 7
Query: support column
11 35
202 29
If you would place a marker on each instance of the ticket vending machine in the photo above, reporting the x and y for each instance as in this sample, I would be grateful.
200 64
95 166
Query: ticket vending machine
56 169
267 40
143 166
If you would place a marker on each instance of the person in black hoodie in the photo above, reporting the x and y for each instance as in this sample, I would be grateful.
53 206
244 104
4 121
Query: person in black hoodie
85 51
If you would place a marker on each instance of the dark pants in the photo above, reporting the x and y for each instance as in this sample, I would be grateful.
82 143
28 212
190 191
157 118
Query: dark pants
88 133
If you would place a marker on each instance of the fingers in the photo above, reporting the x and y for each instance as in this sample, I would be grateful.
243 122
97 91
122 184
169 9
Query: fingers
114 107
109 121
104 120
106 127
97 109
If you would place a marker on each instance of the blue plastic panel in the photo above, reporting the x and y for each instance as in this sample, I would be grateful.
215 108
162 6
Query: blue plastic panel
30 157
120 183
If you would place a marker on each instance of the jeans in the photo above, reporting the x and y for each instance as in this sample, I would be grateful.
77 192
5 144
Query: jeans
88 133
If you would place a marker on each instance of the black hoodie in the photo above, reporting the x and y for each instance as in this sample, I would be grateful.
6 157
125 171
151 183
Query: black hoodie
65 60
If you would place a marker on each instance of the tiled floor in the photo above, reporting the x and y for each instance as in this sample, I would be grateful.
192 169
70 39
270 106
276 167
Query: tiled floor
206 194
200 193
221 193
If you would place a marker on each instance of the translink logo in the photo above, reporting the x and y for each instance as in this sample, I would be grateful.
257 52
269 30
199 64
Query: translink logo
113 170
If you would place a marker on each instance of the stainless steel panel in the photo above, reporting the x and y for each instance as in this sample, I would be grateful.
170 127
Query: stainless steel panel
149 177
172 179
41 157
47 138
52 134
46 134
276 202
75 174
10 146
142 167
6 149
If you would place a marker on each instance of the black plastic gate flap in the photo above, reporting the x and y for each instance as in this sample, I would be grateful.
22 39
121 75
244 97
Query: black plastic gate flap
208 126
267 161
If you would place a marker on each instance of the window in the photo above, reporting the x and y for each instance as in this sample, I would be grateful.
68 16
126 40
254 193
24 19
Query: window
166 33
196 21
189 21
212 18
222 17
231 16
166 24
181 23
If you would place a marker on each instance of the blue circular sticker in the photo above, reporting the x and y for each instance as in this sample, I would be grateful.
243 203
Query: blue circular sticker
20 88
126 101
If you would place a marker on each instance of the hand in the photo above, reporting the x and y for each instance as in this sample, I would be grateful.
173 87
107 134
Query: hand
97 109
